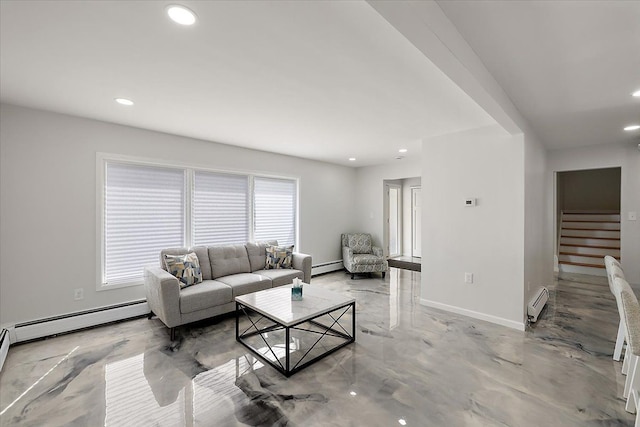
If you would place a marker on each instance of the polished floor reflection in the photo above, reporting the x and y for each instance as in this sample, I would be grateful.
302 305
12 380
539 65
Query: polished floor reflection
410 365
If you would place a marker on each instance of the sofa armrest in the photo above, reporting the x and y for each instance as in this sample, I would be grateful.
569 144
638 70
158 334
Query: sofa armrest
377 251
163 295
302 262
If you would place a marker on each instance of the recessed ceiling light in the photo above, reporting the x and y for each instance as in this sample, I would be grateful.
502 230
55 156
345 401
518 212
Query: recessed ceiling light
632 127
353 393
124 101
352 159
636 93
181 15
402 422
402 150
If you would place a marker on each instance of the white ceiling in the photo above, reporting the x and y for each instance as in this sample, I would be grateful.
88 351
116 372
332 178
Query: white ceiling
568 66
320 80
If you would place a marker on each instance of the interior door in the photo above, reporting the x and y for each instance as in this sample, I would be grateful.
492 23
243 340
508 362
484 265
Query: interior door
416 222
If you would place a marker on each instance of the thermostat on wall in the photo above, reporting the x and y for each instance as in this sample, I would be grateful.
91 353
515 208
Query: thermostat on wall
470 202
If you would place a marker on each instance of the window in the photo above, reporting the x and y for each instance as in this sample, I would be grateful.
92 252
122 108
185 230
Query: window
144 213
275 210
220 209
148 207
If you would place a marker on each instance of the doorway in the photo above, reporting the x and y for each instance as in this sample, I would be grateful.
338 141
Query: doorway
587 221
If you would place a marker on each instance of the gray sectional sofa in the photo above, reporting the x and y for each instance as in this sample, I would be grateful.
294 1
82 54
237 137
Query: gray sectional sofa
227 272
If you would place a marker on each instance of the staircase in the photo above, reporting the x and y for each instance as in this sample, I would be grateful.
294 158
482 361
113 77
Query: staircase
585 238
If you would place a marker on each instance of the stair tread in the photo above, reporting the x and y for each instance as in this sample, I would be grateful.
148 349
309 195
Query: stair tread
579 212
589 229
589 246
585 255
590 237
581 264
592 220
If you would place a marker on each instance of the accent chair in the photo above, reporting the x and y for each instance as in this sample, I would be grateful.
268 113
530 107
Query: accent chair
360 256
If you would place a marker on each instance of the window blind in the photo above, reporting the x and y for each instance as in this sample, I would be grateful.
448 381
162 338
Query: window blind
144 213
220 208
275 210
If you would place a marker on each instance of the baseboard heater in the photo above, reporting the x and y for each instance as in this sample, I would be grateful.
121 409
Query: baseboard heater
537 303
4 346
326 267
79 320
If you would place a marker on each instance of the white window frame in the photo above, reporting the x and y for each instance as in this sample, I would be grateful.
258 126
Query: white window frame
103 158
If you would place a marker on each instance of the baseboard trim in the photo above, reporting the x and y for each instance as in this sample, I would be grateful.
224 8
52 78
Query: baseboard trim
74 321
474 314
5 342
327 267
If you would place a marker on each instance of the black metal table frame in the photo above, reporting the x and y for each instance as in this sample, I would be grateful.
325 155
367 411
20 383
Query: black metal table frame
286 369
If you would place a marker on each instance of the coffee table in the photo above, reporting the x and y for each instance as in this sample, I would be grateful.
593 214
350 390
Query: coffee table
291 335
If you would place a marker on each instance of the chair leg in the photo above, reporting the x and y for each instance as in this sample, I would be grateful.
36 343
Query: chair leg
172 333
631 377
631 385
384 273
625 364
352 276
617 352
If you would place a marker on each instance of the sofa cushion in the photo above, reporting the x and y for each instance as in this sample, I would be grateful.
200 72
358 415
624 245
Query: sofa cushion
257 251
245 283
201 253
282 276
360 243
186 268
207 294
279 257
229 259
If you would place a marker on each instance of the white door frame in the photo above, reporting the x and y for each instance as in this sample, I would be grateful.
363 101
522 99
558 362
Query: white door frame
413 222
387 225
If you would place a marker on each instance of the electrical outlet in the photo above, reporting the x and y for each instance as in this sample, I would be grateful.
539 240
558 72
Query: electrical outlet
78 294
468 277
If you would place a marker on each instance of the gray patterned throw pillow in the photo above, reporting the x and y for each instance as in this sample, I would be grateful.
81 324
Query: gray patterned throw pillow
186 268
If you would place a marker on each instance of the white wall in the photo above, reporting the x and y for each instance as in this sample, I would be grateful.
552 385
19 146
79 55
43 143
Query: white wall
626 156
538 239
48 204
369 203
406 213
486 240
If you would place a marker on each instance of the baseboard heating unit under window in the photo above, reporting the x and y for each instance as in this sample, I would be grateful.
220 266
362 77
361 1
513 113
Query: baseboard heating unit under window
74 321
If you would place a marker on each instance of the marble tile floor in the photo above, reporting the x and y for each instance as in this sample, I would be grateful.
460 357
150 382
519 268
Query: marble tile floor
411 365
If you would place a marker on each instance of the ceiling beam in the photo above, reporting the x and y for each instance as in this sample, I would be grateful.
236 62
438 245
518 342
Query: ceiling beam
426 26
